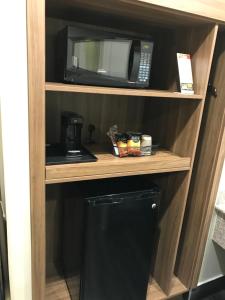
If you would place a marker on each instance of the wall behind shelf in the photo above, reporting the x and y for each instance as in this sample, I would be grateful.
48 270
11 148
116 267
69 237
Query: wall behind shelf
101 110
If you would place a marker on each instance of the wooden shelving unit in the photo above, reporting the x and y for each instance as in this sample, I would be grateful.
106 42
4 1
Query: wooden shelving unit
61 87
57 290
155 292
109 166
173 123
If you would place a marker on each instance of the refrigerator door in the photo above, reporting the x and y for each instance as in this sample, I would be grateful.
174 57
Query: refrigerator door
118 247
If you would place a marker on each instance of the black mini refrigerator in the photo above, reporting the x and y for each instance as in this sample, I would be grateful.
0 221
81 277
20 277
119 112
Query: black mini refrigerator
120 221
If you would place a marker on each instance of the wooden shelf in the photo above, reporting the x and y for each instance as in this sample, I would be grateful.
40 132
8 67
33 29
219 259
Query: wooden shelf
74 88
145 12
110 166
56 289
155 292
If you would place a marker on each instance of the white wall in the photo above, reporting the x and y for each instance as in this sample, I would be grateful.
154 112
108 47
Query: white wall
214 258
15 147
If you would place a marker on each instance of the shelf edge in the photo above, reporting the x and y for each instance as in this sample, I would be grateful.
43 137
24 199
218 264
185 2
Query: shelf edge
113 175
177 288
72 88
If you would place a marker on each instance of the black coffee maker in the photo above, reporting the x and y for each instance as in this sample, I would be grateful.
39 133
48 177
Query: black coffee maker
70 148
71 126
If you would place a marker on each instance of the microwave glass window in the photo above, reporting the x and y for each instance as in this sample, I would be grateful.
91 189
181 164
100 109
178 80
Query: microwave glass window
106 57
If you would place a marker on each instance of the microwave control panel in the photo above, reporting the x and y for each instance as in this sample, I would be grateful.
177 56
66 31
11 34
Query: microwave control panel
145 62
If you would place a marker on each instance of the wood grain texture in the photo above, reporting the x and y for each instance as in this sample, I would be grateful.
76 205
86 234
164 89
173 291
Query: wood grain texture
171 217
175 201
209 9
182 122
179 119
207 168
155 292
181 137
144 13
36 81
203 42
197 41
111 166
54 229
100 110
74 88
56 289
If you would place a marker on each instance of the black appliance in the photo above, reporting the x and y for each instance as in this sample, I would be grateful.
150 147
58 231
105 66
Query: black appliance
70 149
99 56
71 125
120 222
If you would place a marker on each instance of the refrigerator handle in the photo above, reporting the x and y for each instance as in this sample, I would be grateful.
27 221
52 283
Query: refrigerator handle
155 211
116 202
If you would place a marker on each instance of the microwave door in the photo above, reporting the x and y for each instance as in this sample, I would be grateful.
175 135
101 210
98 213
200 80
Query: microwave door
134 60
106 62
107 57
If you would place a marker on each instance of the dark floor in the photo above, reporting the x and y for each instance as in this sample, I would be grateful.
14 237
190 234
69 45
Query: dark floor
214 290
218 296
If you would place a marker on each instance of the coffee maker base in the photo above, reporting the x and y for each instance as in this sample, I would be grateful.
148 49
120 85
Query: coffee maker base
55 155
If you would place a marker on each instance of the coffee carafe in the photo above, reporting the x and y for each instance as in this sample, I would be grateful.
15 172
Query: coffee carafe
71 126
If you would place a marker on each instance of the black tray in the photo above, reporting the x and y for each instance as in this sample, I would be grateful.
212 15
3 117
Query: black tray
55 155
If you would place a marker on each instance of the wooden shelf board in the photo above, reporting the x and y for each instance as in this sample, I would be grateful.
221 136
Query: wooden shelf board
56 289
155 292
110 166
74 88
145 12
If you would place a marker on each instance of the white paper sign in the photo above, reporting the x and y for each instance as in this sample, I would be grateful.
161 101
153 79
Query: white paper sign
185 73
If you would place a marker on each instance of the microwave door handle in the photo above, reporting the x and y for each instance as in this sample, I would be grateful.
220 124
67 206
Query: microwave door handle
134 60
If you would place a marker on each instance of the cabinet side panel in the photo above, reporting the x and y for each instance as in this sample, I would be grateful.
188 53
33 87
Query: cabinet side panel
206 173
36 71
171 216
180 132
198 41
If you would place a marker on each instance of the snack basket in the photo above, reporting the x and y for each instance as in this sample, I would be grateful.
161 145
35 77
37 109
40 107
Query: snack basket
135 152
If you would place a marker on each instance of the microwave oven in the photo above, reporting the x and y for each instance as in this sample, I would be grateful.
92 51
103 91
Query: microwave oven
98 56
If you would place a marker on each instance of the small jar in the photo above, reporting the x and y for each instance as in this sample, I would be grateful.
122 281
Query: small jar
121 141
146 144
134 144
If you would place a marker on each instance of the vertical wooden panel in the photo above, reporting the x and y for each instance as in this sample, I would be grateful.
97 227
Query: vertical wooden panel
202 40
36 72
54 227
206 172
197 41
181 123
172 210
